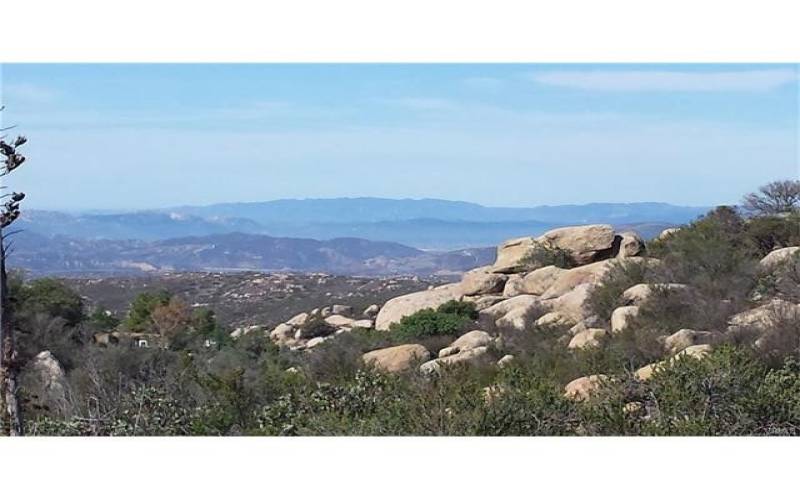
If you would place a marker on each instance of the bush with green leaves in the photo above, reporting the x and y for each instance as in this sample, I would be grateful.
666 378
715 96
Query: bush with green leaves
765 234
546 254
49 297
711 255
780 281
143 411
459 308
607 294
526 404
729 392
451 318
138 318
102 320
244 387
316 326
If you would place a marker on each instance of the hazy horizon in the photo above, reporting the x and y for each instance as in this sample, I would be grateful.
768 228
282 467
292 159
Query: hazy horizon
176 207
152 136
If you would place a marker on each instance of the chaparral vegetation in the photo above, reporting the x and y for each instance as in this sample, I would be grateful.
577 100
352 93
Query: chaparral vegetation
580 331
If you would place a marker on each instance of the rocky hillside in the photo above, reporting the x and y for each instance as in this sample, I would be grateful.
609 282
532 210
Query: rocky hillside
247 298
583 330
515 286
521 290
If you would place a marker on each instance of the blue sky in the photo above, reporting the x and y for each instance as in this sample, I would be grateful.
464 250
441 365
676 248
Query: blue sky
146 136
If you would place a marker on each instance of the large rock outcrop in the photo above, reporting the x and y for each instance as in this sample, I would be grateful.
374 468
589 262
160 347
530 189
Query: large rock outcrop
505 306
482 302
538 281
49 382
398 308
630 245
590 273
573 305
571 278
514 313
512 255
482 281
778 257
585 244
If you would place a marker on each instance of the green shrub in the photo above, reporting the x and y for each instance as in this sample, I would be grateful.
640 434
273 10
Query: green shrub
607 295
765 234
547 254
451 318
711 255
138 318
339 358
244 388
524 403
316 326
102 320
726 393
459 308
668 310
428 323
49 297
782 281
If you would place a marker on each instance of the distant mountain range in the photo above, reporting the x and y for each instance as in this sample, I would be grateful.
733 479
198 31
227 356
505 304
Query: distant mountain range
367 236
426 223
338 210
42 255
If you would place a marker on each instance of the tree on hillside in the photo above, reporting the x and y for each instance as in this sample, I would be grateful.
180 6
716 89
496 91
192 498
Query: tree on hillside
138 318
171 318
774 198
51 297
9 369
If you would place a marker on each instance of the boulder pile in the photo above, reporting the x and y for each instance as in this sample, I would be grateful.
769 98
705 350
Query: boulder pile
523 290
309 329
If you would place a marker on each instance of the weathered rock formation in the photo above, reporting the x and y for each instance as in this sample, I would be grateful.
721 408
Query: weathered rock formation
778 257
686 337
48 382
398 358
482 281
583 388
589 338
622 316
695 351
399 307
638 294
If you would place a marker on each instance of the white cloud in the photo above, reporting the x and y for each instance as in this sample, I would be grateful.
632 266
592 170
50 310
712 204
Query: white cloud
666 81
